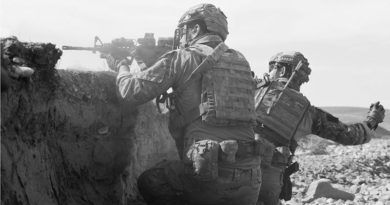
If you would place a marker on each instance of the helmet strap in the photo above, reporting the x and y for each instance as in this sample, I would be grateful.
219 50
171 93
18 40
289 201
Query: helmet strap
197 38
188 38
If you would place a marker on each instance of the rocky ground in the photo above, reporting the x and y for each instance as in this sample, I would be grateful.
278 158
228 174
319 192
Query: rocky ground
362 170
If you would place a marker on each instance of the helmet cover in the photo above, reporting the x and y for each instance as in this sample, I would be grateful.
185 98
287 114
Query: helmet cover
212 16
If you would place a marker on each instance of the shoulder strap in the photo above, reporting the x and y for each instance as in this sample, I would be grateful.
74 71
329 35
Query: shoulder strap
207 63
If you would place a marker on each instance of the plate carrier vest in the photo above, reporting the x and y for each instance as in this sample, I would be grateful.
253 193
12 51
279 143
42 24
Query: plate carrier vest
279 112
227 92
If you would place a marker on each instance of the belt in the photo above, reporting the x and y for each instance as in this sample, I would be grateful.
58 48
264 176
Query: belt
235 174
230 150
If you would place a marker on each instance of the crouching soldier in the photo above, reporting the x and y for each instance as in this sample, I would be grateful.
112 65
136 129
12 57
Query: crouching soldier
211 115
284 115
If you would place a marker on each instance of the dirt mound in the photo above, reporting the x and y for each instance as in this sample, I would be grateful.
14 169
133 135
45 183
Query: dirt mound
67 138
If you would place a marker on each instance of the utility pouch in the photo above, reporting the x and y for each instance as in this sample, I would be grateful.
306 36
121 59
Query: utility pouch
279 159
286 192
204 157
228 151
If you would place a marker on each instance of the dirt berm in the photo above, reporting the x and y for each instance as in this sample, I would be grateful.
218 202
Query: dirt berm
67 137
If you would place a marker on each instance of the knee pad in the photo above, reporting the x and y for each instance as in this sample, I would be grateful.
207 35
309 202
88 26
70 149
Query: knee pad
154 186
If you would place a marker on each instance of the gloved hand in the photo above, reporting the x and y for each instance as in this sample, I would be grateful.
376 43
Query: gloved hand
115 62
262 82
375 115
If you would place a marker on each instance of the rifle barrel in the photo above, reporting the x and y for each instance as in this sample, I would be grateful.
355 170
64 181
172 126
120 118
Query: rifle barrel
78 48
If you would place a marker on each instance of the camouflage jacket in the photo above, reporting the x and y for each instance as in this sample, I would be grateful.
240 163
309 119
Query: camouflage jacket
171 70
325 125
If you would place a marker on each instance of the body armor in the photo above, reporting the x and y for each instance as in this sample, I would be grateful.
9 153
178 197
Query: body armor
279 111
227 92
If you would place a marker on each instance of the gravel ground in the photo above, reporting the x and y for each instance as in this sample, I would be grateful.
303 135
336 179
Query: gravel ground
363 170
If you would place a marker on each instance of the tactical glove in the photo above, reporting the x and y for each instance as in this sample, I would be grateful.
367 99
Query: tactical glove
114 62
262 82
375 115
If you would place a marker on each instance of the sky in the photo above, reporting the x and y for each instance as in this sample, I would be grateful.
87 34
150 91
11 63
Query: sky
347 42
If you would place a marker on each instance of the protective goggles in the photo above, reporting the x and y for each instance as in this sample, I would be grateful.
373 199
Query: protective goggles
277 65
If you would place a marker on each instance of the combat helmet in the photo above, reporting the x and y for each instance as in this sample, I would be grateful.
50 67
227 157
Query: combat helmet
292 58
212 16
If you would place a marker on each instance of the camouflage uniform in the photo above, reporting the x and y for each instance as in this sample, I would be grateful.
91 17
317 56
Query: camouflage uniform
175 182
318 122
315 121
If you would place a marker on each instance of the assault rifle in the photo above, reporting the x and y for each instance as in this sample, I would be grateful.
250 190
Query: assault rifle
141 48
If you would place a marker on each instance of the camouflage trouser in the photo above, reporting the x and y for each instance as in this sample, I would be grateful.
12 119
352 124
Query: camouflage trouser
204 177
272 168
173 183
271 185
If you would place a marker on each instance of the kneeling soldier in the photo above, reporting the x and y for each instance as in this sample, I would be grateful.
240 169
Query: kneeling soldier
211 115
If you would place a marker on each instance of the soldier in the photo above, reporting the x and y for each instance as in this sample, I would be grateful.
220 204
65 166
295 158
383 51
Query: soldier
285 115
211 115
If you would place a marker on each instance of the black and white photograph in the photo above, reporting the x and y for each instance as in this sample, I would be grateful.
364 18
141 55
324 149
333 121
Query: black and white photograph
187 102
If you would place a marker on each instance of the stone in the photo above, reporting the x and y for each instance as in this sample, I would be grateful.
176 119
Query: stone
358 181
323 188
379 203
330 200
19 61
355 189
385 196
22 71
